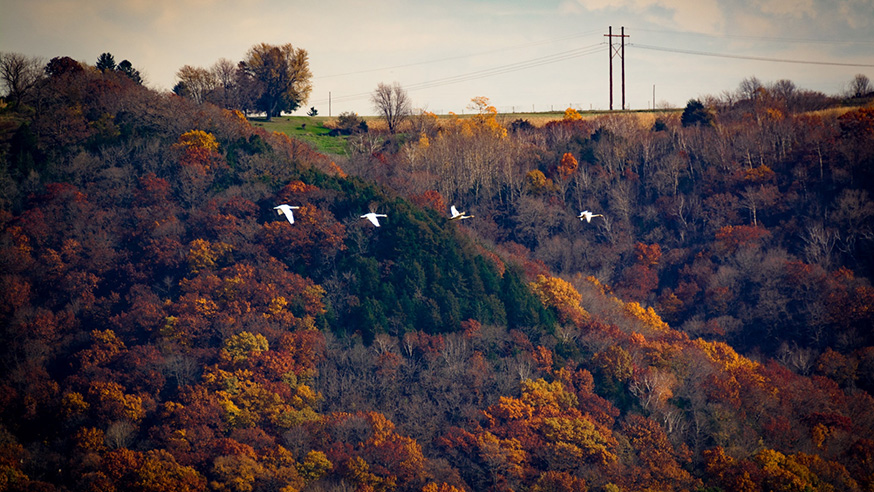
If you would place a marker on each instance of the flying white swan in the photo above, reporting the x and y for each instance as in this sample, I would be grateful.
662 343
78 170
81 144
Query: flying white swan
588 216
458 215
286 209
372 217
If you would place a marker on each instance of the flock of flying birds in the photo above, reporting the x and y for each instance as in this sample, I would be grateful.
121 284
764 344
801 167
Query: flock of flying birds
373 217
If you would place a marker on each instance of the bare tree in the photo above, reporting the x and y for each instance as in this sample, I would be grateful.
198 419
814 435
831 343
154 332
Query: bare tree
750 88
392 103
224 72
19 75
860 86
195 83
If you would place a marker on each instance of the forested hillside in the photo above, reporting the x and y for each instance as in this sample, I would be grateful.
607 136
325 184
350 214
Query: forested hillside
165 329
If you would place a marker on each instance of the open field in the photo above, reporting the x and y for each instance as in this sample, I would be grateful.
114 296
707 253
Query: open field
311 129
315 129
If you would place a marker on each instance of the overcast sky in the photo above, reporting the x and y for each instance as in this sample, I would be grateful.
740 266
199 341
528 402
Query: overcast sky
522 55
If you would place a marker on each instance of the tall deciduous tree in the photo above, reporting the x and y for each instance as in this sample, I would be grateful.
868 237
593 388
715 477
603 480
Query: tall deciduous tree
195 83
283 74
392 103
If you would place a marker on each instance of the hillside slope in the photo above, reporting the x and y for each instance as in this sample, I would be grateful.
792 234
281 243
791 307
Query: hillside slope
165 329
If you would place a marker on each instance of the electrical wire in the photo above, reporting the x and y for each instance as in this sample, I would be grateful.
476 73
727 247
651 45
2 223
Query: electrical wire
459 57
479 74
761 38
744 57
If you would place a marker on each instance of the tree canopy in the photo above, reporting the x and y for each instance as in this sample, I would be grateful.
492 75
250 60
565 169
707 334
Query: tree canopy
282 74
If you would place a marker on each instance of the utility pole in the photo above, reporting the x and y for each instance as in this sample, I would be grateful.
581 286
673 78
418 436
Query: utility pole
613 52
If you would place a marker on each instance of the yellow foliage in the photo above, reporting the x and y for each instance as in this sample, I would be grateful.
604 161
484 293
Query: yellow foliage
511 409
503 456
205 307
759 174
314 466
737 365
818 434
305 397
238 115
243 345
548 398
443 487
484 122
112 399
359 473
537 182
561 296
785 473
203 254
648 316
571 114
89 439
73 403
235 473
198 139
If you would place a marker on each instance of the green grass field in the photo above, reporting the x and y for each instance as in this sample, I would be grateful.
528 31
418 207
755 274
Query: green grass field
310 129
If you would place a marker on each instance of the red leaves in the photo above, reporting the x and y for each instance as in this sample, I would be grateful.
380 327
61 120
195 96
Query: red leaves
314 237
730 238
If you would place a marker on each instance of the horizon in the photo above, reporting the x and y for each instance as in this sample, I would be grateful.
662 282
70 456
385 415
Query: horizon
523 58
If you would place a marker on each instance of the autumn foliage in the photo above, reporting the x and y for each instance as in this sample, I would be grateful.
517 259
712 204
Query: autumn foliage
165 330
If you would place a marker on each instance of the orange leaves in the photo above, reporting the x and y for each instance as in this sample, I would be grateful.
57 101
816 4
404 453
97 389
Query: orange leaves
567 167
358 471
503 457
106 347
199 150
760 174
730 238
432 199
511 409
648 254
293 188
112 403
443 487
160 472
547 423
858 124
571 114
561 296
659 465
378 457
484 122
648 316
314 237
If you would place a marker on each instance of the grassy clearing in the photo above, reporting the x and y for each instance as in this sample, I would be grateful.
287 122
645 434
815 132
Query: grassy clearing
310 129
315 129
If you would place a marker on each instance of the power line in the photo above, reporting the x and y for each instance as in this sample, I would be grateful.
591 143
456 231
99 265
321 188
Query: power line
479 74
460 57
745 57
761 38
